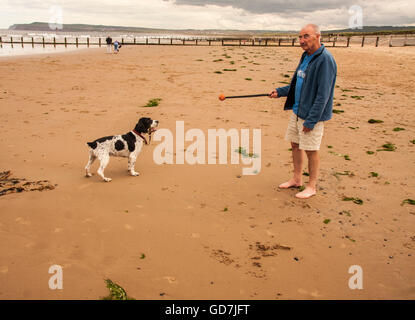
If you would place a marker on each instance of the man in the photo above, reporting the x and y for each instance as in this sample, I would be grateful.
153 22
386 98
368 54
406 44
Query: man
310 96
109 43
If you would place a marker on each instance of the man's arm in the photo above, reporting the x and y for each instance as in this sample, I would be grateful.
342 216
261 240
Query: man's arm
280 92
327 72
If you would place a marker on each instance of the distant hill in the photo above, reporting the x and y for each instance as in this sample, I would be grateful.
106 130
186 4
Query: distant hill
373 30
43 26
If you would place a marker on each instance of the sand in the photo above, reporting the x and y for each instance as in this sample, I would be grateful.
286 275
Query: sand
181 231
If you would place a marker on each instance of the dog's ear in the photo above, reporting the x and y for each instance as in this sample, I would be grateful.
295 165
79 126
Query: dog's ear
143 125
139 127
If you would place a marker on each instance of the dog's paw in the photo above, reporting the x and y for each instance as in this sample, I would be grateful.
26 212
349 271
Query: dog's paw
134 173
107 179
87 175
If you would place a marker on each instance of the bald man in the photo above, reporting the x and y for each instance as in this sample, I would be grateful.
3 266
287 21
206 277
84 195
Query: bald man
310 96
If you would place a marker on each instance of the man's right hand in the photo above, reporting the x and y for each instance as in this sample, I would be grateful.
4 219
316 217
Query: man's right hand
273 94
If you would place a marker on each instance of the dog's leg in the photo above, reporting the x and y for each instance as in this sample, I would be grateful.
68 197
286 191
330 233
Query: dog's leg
92 158
104 161
131 163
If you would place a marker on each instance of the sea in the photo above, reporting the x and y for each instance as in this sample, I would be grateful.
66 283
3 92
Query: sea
16 48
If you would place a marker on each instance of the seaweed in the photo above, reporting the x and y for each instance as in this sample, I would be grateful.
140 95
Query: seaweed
375 121
355 200
152 103
387 147
243 152
408 201
116 292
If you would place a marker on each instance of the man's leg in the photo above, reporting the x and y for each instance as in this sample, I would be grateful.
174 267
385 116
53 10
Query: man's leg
313 168
298 159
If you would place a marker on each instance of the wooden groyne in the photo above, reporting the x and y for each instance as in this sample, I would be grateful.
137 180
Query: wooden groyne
330 41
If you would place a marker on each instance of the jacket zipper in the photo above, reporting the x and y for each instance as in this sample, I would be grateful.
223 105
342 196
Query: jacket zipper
298 111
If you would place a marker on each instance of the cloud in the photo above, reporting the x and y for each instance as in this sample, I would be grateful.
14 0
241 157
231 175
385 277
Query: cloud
375 12
273 6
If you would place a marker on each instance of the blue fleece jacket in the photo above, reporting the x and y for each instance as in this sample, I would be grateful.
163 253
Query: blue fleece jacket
316 100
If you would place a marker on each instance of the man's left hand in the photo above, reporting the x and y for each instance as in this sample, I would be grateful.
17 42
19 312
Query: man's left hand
305 129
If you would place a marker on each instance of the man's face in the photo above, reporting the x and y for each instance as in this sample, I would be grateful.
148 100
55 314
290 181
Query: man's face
308 39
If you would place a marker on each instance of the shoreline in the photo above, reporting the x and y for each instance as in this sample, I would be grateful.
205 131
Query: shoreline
39 53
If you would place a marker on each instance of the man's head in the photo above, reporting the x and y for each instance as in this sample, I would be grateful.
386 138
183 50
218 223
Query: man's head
310 38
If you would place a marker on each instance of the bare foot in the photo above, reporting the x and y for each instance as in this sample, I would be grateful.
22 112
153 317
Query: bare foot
290 184
306 193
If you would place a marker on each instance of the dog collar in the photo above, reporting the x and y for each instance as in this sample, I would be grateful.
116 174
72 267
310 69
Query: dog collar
139 134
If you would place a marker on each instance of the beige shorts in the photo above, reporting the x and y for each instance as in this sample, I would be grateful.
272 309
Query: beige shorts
307 140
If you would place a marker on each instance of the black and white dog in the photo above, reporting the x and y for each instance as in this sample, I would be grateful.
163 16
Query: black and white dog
126 145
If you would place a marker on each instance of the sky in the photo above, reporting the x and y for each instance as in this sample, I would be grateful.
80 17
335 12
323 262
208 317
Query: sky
212 14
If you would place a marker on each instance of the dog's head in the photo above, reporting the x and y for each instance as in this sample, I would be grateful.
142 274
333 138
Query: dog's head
146 125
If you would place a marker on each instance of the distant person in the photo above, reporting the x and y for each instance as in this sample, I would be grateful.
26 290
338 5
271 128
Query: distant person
310 96
117 46
109 44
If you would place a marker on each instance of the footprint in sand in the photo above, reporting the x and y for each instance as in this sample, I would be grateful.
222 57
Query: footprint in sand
270 233
4 269
85 185
314 294
171 280
22 221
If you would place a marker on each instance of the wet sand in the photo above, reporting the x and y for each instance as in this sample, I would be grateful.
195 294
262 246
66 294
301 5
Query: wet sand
205 231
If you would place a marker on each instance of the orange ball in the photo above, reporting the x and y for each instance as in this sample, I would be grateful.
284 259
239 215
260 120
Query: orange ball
222 97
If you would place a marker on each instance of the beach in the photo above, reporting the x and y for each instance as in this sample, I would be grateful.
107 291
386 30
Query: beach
205 231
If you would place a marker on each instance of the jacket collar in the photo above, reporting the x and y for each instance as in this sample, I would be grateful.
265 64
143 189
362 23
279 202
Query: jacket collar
315 54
